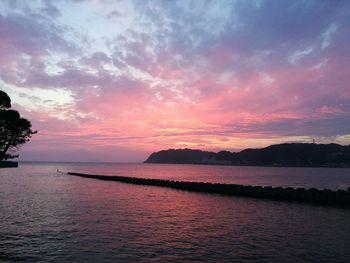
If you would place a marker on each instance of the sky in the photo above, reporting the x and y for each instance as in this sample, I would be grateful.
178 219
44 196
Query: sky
110 80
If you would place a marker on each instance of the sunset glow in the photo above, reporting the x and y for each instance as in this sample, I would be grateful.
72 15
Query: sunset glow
116 80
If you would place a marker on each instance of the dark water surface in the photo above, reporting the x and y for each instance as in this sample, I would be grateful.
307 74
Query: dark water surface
51 217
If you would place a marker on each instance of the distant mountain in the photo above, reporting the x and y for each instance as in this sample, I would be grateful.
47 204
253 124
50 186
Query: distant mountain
287 154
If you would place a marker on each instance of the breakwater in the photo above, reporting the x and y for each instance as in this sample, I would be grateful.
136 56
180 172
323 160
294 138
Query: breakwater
313 195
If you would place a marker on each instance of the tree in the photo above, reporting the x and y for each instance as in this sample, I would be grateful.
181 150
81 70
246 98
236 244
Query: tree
5 101
14 130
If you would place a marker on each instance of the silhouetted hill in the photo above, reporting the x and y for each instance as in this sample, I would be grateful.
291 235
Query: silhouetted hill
180 156
288 154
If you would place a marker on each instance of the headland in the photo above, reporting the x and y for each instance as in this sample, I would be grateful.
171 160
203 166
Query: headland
286 155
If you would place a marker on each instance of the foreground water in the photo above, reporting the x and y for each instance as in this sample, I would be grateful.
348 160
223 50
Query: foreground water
52 217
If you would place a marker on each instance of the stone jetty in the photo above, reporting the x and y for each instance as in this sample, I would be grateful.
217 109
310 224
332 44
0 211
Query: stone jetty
312 195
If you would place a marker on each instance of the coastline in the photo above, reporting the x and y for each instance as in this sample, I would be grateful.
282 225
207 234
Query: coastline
256 165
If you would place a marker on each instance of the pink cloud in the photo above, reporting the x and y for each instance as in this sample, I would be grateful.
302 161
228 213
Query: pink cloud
177 85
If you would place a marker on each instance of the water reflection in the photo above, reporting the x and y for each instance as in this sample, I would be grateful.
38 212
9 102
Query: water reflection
49 217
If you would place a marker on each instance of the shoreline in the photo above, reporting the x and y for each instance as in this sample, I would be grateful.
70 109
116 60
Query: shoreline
258 165
289 194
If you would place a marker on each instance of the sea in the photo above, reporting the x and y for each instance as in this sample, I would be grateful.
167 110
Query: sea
49 216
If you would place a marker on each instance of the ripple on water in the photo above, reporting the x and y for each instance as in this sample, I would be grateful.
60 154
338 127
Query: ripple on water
51 218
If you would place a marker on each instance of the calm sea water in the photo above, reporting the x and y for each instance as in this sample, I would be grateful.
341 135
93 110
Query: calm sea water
50 217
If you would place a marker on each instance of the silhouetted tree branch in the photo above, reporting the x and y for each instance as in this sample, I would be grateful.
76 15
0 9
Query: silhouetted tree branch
14 130
5 101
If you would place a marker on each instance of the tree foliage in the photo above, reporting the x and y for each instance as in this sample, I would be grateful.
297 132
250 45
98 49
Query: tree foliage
14 130
5 101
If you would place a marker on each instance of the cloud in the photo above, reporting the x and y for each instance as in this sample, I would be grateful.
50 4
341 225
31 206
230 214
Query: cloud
114 14
327 35
146 75
299 54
